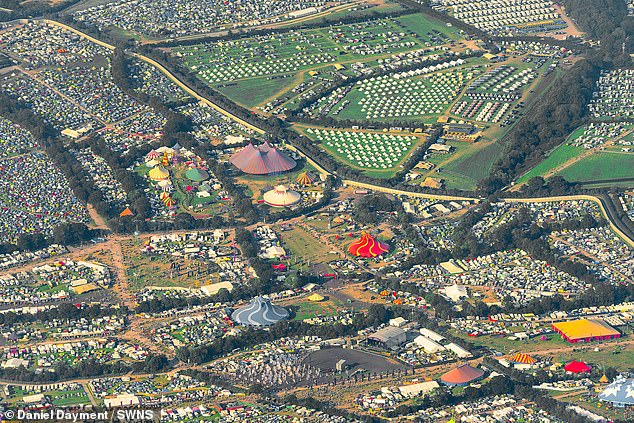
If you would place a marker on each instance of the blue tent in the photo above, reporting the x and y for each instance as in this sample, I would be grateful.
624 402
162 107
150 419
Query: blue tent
620 392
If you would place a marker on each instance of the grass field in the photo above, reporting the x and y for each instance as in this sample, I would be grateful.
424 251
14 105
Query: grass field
251 60
601 166
251 92
306 249
558 157
308 309
476 163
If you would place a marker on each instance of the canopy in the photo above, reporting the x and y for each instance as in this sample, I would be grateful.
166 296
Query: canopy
260 312
462 375
169 202
196 175
306 178
159 173
522 359
263 160
577 367
152 155
315 298
620 392
367 247
280 196
126 212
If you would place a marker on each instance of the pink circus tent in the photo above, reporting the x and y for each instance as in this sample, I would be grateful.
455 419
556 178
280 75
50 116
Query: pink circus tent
262 160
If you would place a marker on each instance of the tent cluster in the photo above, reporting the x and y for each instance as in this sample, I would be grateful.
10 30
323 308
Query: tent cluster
15 140
101 173
367 247
614 96
35 197
366 149
500 15
391 96
164 17
273 65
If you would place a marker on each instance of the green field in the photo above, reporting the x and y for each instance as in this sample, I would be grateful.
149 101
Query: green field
601 166
476 163
251 92
308 309
291 53
558 157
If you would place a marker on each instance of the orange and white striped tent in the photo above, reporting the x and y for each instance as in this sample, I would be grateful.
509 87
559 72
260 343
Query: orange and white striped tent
522 359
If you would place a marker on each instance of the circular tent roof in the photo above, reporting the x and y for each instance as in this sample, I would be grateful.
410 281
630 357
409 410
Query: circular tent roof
280 196
259 312
196 175
306 178
621 392
462 375
522 359
159 173
367 247
262 160
316 298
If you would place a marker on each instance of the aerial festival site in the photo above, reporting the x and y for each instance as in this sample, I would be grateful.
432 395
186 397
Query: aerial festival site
317 211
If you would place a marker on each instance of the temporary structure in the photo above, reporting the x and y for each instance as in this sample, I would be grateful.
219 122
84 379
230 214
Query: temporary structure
367 247
263 160
280 196
159 173
260 312
461 376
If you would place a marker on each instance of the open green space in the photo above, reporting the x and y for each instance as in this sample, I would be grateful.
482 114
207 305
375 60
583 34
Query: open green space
558 157
251 60
601 166
476 162
251 92
308 309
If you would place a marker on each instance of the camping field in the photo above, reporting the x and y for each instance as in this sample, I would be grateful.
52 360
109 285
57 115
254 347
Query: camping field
377 154
604 166
249 62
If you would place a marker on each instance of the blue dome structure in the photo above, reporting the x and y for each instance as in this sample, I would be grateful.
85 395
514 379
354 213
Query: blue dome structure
259 312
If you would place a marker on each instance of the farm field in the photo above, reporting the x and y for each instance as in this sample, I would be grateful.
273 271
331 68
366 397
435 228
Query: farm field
602 166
